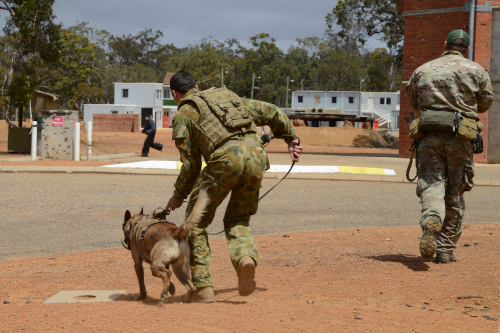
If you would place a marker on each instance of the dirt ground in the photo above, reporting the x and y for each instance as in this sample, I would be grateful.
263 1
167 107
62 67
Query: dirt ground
359 280
326 140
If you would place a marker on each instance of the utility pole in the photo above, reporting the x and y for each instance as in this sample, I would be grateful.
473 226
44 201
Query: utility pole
253 84
472 23
359 106
222 77
286 99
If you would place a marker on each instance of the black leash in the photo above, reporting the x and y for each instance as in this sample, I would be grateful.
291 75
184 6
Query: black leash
413 149
265 140
291 167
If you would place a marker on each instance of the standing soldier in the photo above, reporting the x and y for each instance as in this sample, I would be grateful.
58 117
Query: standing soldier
449 92
219 126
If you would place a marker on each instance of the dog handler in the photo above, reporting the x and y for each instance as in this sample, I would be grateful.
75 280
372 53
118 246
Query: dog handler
221 127
448 92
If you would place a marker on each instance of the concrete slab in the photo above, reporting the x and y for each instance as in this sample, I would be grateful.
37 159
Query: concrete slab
9 168
63 169
32 168
108 170
82 169
85 296
150 171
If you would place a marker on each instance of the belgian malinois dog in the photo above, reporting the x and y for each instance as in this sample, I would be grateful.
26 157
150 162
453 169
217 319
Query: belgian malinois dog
152 239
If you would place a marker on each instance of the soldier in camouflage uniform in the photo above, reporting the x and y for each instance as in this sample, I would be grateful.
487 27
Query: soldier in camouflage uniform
236 165
454 84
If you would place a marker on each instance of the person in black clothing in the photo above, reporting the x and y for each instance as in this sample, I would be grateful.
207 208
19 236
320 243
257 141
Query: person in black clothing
150 131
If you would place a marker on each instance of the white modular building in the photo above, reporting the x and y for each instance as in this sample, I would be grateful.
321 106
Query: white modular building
383 106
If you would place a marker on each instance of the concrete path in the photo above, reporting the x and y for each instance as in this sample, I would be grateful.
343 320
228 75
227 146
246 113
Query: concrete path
485 174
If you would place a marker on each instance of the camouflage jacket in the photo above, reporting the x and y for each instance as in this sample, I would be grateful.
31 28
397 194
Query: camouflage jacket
450 83
185 136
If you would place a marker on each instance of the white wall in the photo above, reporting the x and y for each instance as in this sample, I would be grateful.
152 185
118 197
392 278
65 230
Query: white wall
90 109
145 95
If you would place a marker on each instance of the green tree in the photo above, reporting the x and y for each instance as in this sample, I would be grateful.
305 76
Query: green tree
38 42
78 64
360 19
382 74
204 61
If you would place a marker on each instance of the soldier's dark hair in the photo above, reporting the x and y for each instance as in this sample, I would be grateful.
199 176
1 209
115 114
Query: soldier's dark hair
458 45
182 82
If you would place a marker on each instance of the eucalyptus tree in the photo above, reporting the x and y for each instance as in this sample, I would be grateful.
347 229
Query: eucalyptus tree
37 43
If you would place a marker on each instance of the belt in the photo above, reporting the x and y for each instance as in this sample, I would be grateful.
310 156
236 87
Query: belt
249 143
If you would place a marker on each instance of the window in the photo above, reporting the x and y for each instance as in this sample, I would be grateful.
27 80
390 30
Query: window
114 112
158 94
382 100
388 101
300 99
124 93
334 99
351 100
166 93
316 99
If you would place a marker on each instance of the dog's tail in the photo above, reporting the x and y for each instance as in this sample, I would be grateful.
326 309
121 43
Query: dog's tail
196 215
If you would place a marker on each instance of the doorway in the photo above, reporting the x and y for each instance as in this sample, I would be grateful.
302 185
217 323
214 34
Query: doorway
145 112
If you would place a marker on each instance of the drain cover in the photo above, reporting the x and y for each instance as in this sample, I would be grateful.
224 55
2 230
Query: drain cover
85 296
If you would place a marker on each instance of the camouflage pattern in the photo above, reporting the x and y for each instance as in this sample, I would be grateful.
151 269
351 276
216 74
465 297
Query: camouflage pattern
238 169
450 83
446 170
187 136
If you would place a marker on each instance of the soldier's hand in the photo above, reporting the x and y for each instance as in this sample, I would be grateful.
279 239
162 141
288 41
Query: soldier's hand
295 149
174 203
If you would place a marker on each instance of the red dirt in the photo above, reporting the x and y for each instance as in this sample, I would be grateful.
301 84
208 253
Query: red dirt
365 280
314 140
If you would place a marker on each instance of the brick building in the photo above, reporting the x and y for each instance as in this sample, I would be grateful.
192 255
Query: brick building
427 23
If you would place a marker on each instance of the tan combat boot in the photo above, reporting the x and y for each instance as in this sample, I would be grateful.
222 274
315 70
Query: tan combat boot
246 276
445 258
201 295
428 243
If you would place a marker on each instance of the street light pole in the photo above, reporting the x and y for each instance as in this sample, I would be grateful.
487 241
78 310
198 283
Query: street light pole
253 84
359 107
286 99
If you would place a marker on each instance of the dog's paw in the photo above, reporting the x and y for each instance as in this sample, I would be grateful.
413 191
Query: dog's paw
171 289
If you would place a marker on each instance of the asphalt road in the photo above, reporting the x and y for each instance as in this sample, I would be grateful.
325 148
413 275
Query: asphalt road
48 214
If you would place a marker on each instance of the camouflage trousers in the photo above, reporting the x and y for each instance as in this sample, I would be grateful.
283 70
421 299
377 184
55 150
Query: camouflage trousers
235 169
446 169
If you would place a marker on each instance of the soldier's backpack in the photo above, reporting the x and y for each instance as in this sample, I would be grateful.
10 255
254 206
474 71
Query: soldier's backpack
222 115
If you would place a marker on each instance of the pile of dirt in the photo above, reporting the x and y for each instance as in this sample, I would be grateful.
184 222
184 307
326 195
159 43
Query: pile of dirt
345 137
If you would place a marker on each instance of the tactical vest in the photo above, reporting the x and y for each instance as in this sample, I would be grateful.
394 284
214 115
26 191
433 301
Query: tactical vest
222 115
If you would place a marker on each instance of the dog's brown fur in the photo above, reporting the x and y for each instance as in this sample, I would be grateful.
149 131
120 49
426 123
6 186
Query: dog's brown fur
164 244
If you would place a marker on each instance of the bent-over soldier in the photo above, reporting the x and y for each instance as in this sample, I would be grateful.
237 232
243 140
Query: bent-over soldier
220 127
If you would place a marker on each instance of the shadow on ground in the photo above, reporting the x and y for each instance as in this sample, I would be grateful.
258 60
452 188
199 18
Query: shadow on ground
414 263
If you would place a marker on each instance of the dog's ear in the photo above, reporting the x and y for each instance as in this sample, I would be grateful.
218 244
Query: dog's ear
142 211
127 216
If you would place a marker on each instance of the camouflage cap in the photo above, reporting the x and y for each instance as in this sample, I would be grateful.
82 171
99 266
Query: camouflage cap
458 34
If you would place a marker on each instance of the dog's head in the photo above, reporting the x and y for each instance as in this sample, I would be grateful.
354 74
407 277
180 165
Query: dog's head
128 223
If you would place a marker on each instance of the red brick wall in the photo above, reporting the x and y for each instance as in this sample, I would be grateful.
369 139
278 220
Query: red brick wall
116 123
424 41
